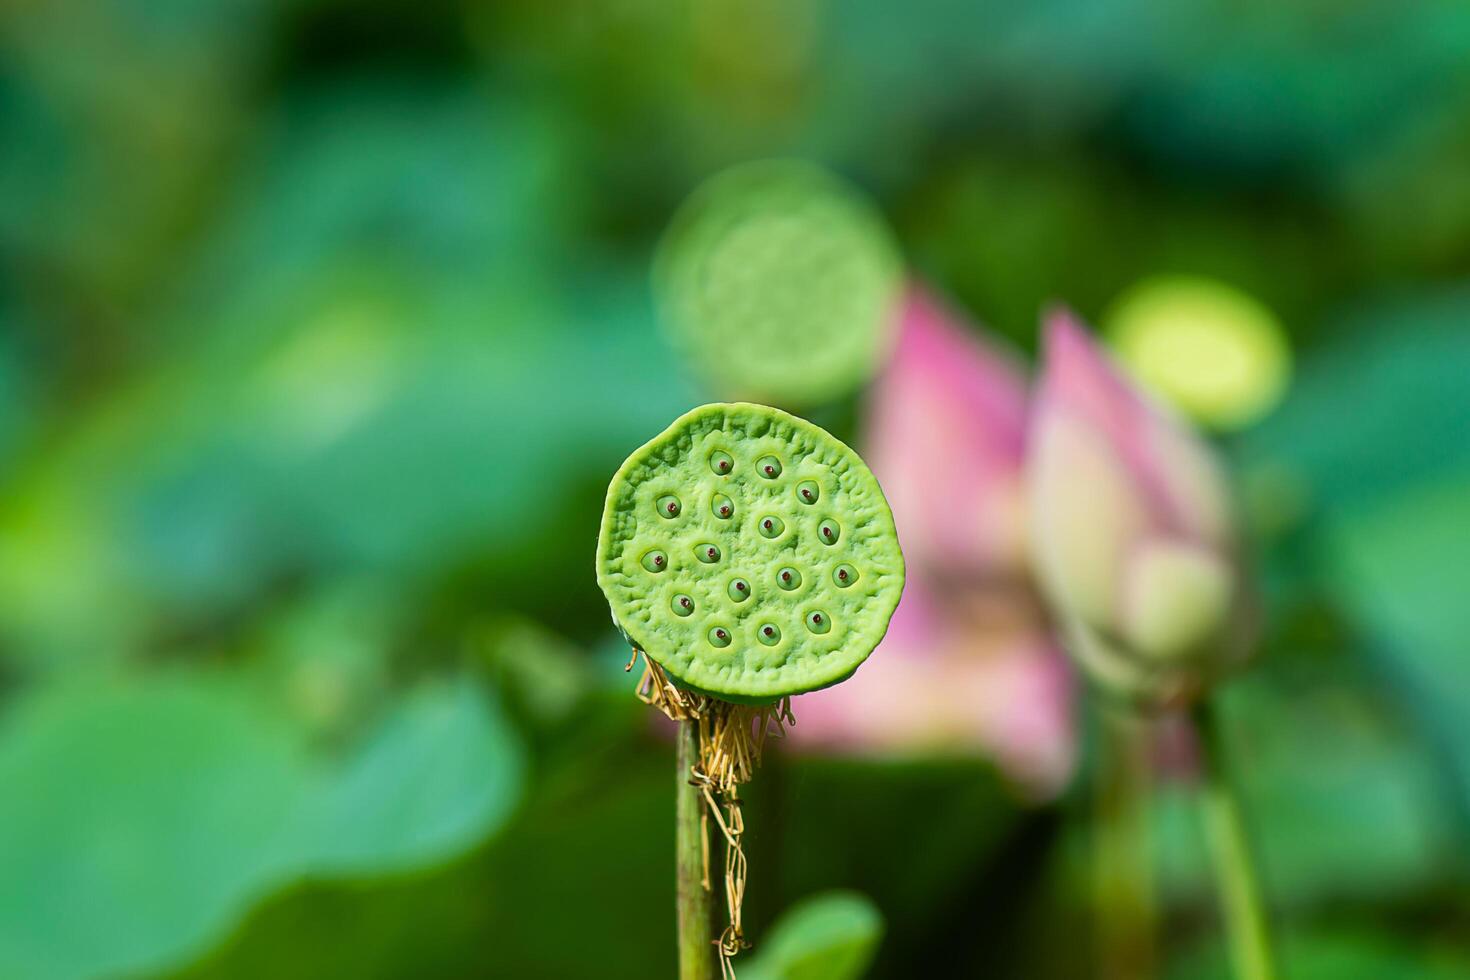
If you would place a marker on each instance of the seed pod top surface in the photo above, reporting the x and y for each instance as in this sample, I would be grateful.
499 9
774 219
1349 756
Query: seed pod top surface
779 282
749 553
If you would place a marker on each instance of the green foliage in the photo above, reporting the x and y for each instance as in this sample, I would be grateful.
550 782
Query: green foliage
1399 565
1353 817
830 936
322 326
1324 954
1402 368
156 813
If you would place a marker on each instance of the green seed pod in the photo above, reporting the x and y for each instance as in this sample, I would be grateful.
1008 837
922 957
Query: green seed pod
779 281
755 644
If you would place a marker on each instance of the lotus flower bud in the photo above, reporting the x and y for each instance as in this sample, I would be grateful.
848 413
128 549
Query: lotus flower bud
1131 531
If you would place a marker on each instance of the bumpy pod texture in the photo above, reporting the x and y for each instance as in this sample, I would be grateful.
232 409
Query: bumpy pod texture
749 553
779 282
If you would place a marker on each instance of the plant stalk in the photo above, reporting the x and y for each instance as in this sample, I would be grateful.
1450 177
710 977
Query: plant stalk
1122 871
693 902
1241 905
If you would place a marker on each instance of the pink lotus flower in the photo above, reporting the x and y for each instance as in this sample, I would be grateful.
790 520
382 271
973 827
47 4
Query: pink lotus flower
968 663
1131 529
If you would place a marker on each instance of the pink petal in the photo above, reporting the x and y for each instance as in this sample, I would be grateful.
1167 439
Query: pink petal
1007 696
1172 472
946 436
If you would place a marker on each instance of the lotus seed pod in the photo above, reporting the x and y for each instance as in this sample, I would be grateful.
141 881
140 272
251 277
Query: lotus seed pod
1214 352
739 638
779 281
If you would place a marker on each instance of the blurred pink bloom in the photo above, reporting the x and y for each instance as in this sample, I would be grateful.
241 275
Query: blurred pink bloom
968 663
1131 528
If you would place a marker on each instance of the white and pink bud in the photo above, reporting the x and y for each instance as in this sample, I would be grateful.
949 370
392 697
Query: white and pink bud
1132 535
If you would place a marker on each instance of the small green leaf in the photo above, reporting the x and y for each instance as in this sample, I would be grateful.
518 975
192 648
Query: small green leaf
829 936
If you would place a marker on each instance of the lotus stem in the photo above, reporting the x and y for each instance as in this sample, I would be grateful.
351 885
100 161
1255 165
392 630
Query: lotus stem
1123 877
693 900
1241 904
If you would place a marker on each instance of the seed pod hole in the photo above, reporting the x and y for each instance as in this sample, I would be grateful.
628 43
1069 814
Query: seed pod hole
721 463
682 605
844 575
739 589
769 634
719 637
655 561
768 467
829 531
770 527
788 578
707 553
808 492
818 621
722 507
669 506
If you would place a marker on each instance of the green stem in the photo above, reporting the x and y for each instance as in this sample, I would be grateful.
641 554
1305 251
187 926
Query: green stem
693 902
1122 870
1235 872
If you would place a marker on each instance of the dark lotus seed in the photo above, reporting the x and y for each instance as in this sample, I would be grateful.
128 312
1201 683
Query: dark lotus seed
769 466
719 637
829 532
707 553
668 505
844 575
769 634
788 578
722 506
739 590
683 605
655 561
808 492
721 463
818 622
771 527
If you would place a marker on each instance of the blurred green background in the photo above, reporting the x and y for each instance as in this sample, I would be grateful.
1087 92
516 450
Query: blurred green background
323 326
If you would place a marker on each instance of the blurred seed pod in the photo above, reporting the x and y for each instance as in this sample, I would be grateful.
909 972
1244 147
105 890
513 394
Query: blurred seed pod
779 282
1212 351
